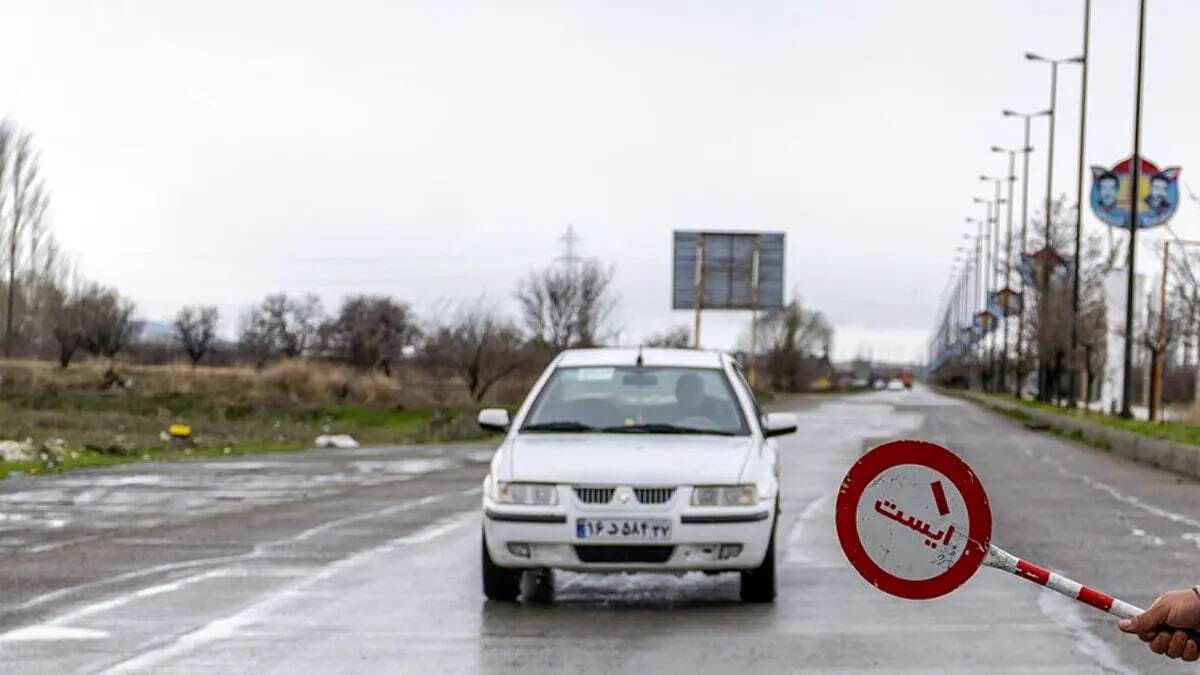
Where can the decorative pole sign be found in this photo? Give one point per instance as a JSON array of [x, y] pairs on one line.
[[1009, 301], [1157, 194], [914, 520]]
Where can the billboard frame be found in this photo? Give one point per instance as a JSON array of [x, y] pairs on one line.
[[698, 279]]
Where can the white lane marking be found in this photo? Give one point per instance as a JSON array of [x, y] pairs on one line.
[[233, 624], [385, 511], [1067, 613], [1135, 502], [794, 552], [59, 622], [259, 551], [45, 632], [42, 548], [1131, 500], [1153, 540]]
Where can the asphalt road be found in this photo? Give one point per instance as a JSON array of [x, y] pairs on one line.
[[368, 561]]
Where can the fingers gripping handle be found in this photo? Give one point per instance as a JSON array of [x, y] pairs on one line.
[[1001, 559]]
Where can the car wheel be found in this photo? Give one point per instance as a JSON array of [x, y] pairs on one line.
[[499, 583], [758, 584]]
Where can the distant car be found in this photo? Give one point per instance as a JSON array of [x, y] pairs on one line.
[[895, 385], [627, 460]]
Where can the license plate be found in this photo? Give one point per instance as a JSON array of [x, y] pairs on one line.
[[623, 528]]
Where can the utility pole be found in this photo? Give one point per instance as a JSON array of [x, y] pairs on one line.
[[1135, 177], [1087, 15]]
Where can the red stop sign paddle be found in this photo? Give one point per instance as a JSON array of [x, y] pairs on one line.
[[914, 520]]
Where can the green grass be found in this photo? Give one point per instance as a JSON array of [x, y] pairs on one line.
[[101, 430], [89, 459], [1167, 430], [373, 417]]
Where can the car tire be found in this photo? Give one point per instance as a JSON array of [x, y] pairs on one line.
[[499, 583], [759, 584]]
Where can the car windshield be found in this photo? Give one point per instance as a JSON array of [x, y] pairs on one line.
[[619, 399]]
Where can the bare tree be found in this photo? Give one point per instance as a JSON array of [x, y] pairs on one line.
[[477, 346], [796, 342], [677, 337], [65, 322], [292, 322], [1048, 304], [255, 341], [197, 326], [280, 326], [106, 320], [7, 139], [370, 332], [568, 305], [28, 206]]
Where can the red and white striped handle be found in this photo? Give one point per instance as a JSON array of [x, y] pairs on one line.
[[1003, 560]]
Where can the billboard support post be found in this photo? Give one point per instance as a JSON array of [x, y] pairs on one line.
[[728, 270], [754, 313]]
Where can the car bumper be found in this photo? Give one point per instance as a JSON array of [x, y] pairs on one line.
[[701, 539]]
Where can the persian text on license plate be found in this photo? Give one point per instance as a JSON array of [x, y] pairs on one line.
[[623, 528]]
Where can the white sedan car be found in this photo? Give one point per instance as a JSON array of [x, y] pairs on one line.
[[628, 460]]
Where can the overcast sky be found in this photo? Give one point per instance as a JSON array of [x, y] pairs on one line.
[[215, 152]]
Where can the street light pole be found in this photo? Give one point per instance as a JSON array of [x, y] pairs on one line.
[[1052, 112], [1087, 16], [1012, 179], [1043, 370], [1135, 177], [993, 268], [978, 279], [1027, 149]]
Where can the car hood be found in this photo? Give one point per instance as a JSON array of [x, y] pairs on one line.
[[629, 459]]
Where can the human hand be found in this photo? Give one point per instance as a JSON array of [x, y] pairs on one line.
[[1176, 609]]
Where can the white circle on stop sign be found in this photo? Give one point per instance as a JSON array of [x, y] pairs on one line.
[[912, 522]]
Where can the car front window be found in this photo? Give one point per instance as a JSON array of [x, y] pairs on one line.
[[637, 399]]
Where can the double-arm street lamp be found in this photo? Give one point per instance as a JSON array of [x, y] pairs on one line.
[[994, 270], [1012, 179], [1054, 64], [1026, 118], [1045, 385]]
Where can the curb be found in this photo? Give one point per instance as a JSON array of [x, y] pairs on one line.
[[1169, 455]]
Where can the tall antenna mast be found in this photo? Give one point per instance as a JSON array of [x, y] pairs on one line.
[[569, 239]]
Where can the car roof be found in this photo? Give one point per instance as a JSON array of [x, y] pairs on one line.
[[619, 356]]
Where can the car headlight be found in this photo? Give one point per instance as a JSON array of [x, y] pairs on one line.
[[724, 495], [529, 494]]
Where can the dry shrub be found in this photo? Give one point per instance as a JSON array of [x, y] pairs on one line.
[[375, 389], [300, 380], [282, 383]]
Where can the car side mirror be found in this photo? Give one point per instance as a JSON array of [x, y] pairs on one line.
[[779, 424], [493, 419]]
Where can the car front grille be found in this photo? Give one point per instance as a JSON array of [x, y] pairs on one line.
[[594, 495], [624, 554], [660, 495]]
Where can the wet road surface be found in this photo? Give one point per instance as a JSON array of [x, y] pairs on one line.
[[368, 561]]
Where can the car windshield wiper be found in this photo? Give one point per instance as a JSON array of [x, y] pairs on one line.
[[660, 428], [565, 426]]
